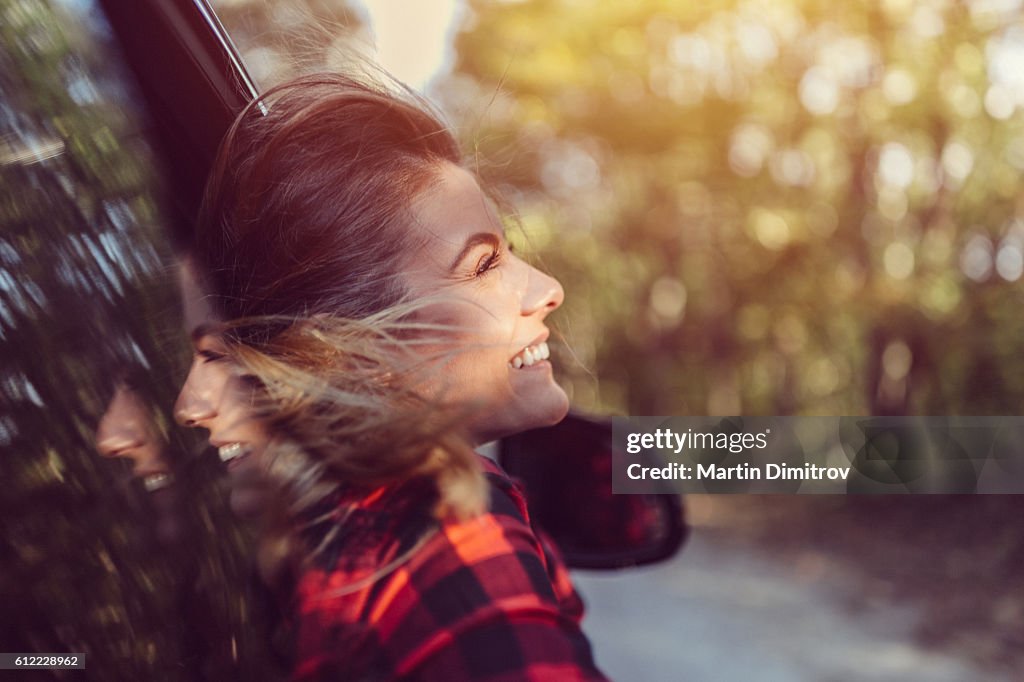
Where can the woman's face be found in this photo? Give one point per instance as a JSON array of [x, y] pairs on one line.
[[497, 302], [127, 430], [216, 398]]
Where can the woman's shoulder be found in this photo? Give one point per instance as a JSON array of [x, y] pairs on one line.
[[470, 585], [496, 554], [390, 534], [481, 593]]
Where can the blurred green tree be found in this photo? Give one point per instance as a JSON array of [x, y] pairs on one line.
[[764, 207]]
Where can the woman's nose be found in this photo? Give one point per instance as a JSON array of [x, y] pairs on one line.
[[192, 408], [544, 293], [113, 443]]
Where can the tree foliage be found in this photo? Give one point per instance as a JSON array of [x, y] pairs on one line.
[[765, 207]]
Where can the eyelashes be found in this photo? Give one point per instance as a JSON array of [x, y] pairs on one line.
[[210, 356], [488, 263]]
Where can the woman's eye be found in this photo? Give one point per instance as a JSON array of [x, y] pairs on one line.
[[209, 355], [488, 262]]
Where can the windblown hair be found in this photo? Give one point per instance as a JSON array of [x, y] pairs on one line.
[[304, 231], [307, 209]]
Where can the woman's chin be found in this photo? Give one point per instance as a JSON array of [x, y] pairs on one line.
[[558, 409], [523, 414], [545, 408]]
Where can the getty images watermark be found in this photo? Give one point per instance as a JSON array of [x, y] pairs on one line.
[[818, 454]]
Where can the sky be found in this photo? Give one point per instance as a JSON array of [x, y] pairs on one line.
[[414, 38]]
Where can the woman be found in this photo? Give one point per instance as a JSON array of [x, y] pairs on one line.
[[128, 429], [378, 329]]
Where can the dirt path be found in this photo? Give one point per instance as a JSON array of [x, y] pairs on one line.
[[726, 608]]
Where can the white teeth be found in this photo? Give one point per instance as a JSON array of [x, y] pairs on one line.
[[231, 451], [531, 355], [154, 482]]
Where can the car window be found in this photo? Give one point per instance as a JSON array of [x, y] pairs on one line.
[[119, 549], [279, 39]]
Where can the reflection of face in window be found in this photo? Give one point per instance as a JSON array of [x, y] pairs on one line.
[[216, 398], [127, 429]]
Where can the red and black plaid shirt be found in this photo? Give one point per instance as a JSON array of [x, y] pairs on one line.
[[394, 594]]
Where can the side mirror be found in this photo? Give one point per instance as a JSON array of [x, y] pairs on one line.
[[567, 472]]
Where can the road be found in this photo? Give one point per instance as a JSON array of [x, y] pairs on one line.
[[722, 613]]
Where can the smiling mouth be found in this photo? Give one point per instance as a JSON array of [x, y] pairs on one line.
[[233, 451], [530, 356], [157, 481]]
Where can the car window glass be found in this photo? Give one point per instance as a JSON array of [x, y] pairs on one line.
[[100, 554]]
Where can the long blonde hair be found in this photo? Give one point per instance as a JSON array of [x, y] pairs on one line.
[[302, 239], [342, 400]]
